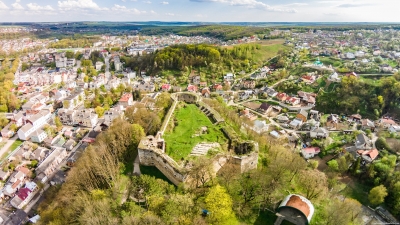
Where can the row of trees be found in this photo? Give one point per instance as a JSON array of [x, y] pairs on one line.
[[8, 100]]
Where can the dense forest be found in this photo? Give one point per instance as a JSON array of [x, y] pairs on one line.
[[100, 188], [354, 95], [213, 61], [8, 100]]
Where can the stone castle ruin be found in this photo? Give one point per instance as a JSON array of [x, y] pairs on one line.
[[242, 155]]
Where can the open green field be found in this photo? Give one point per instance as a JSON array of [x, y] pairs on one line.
[[268, 51], [188, 122]]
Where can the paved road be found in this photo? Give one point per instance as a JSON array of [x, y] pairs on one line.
[[10, 141]]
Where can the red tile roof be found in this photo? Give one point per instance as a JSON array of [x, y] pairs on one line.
[[312, 150], [125, 97]]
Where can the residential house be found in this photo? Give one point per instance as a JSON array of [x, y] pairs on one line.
[[111, 115], [282, 97], [307, 98], [319, 132], [247, 114], [355, 118], [310, 152], [67, 116], [4, 174], [6, 132], [334, 77], [18, 118], [293, 101], [69, 145], [74, 100], [258, 75], [265, 108], [271, 92], [203, 84], [33, 124], [143, 86], [192, 88], [217, 88], [296, 123], [24, 195], [332, 121], [248, 84], [126, 100], [166, 87], [205, 92], [368, 155], [282, 119], [302, 115], [86, 118], [275, 134], [229, 77], [177, 89], [309, 79], [50, 164], [260, 126], [386, 123], [99, 65], [195, 80], [38, 136], [363, 142], [39, 154], [367, 124]]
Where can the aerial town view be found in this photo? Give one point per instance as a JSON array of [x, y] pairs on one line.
[[123, 113]]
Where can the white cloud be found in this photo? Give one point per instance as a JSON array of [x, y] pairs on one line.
[[147, 2], [17, 6], [122, 8], [36, 7], [80, 4], [165, 3], [123, 0], [169, 14], [251, 4], [3, 6]]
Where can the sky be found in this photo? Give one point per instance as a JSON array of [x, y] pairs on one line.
[[200, 10]]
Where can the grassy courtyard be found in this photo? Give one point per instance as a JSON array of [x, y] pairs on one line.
[[186, 133]]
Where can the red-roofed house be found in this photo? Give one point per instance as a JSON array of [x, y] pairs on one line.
[[192, 88], [217, 87], [368, 155], [310, 152], [126, 100], [386, 123], [206, 92], [293, 101], [166, 87], [282, 97], [22, 198], [309, 78]]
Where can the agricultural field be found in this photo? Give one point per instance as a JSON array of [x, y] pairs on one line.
[[186, 131]]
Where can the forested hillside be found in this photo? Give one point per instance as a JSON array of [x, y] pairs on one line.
[[212, 60], [355, 95]]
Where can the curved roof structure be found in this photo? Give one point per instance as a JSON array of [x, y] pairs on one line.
[[299, 203]]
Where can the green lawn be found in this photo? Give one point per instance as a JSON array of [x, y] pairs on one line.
[[15, 144], [188, 122]]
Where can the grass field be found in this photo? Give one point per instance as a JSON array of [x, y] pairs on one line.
[[181, 140], [15, 145], [268, 51]]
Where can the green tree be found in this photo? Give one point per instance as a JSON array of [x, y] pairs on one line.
[[99, 111], [219, 204], [333, 165], [3, 121], [58, 123], [377, 195], [66, 104], [14, 127]]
